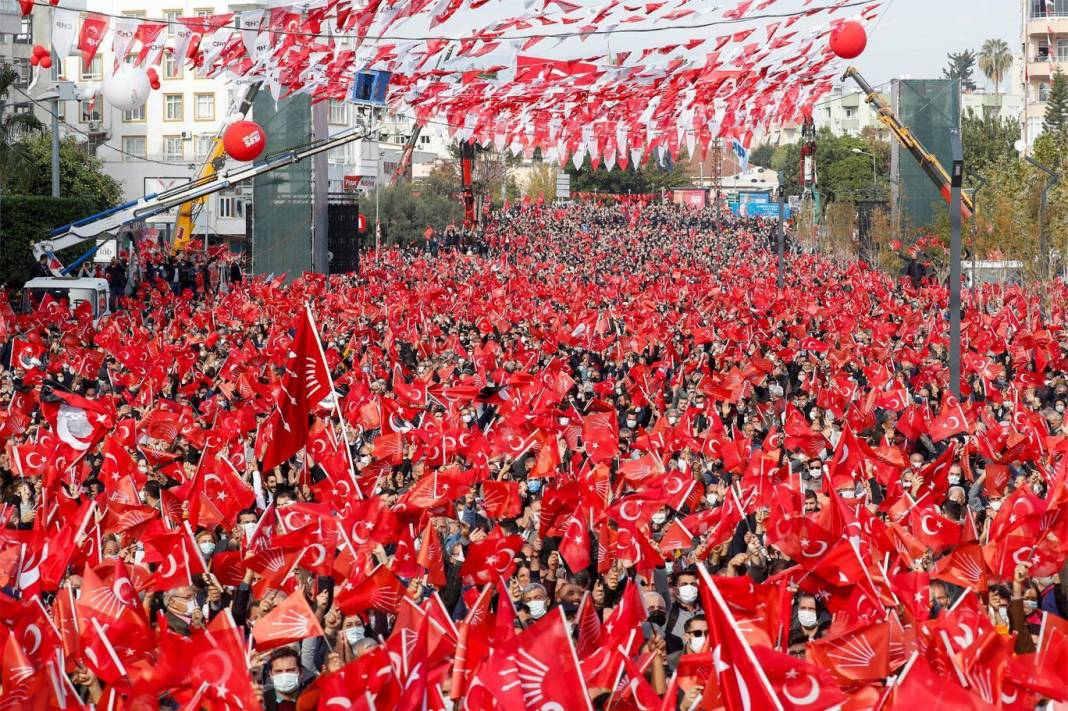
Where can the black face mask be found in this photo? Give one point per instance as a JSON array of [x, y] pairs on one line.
[[658, 618]]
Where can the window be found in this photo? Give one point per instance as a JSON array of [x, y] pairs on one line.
[[25, 71], [205, 107], [133, 147], [25, 35], [230, 206], [173, 148], [338, 112], [173, 107], [134, 116], [850, 113], [202, 144], [88, 111], [1043, 92], [171, 16], [1062, 50], [95, 70], [172, 68]]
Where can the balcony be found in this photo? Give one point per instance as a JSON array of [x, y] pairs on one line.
[[1042, 25]]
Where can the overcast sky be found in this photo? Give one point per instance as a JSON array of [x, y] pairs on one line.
[[913, 36]]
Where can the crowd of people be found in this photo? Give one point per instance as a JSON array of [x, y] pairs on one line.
[[606, 464]]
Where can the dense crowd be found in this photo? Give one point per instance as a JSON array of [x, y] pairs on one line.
[[607, 463]]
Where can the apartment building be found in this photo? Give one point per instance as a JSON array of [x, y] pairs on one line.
[[1044, 38], [16, 46]]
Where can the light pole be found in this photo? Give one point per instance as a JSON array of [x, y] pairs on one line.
[[956, 179], [874, 173]]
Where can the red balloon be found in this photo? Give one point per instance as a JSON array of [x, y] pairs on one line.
[[153, 75], [46, 62], [39, 50], [244, 140], [849, 39]]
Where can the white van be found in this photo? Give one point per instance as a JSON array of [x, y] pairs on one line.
[[73, 290]]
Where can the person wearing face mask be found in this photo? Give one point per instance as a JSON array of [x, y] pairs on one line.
[[694, 640], [656, 615], [181, 609], [536, 599], [206, 544], [808, 622], [684, 606], [286, 680]]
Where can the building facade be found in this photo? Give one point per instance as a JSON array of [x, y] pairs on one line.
[[1044, 38]]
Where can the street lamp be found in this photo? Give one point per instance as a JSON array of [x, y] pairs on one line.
[[874, 180]]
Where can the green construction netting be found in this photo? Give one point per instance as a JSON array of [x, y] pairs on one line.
[[929, 108]]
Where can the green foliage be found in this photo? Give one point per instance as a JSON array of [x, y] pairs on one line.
[[407, 210], [15, 163], [651, 178], [1056, 119], [25, 219], [79, 173], [987, 140], [961, 66], [761, 155], [995, 58], [842, 173]]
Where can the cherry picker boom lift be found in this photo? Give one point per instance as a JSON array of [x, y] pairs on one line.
[[927, 160]]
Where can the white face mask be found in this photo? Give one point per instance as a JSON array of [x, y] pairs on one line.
[[807, 618], [537, 608], [1030, 606], [995, 505], [1003, 613], [696, 644], [354, 634], [364, 460], [564, 420], [286, 682], [207, 548], [688, 593], [712, 499], [847, 494], [467, 419], [249, 529], [954, 479], [659, 517], [631, 424]]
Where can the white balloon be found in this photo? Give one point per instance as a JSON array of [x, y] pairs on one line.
[[128, 88]]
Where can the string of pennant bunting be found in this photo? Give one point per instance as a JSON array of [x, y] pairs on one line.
[[614, 80]]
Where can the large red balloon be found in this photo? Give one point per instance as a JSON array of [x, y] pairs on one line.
[[244, 140], [849, 39]]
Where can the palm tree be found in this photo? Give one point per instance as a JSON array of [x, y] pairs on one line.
[[994, 60], [15, 161]]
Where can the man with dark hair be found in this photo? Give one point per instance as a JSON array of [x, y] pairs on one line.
[[286, 680]]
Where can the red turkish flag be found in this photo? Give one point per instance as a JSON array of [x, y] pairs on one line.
[[921, 687], [950, 421], [741, 680], [291, 621], [934, 530], [491, 558], [600, 436], [575, 543], [305, 385], [217, 658], [801, 685]]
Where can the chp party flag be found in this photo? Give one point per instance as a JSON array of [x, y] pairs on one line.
[[306, 384], [291, 621]]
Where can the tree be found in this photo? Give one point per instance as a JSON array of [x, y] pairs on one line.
[[987, 140], [961, 66], [842, 173], [79, 173], [1056, 120], [650, 178], [407, 210], [16, 166], [995, 59], [761, 155], [542, 183]]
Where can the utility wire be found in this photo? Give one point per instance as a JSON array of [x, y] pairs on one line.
[[490, 36]]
